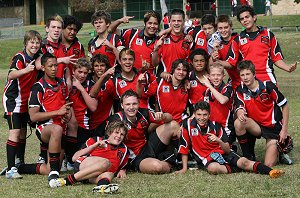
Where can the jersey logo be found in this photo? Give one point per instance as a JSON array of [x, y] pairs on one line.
[[264, 39], [194, 83], [92, 49], [264, 97], [120, 155], [167, 41], [166, 89], [108, 49], [144, 123], [247, 96], [243, 41], [206, 99], [76, 52], [200, 41], [64, 91], [139, 41], [50, 50], [122, 84], [195, 132], [50, 92]]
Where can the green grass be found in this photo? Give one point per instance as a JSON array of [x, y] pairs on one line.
[[197, 183]]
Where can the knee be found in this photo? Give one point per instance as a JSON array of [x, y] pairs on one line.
[[213, 168], [243, 163], [56, 131], [271, 164], [175, 128], [104, 165]]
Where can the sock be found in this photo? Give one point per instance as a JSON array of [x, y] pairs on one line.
[[70, 180], [103, 181], [44, 149], [244, 143], [71, 147], [29, 168], [21, 150], [54, 161], [11, 151], [252, 141], [261, 168]]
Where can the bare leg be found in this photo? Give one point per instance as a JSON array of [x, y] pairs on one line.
[[154, 166]]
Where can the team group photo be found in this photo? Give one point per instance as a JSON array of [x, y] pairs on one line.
[[180, 100]]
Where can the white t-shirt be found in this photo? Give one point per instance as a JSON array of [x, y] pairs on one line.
[[268, 3]]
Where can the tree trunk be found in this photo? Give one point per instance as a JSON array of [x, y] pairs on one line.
[[164, 8]]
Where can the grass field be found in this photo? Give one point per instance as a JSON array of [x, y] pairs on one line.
[[196, 183]]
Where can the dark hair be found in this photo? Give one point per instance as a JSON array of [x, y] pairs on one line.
[[224, 19], [208, 19], [100, 58], [246, 64], [101, 15], [45, 58], [70, 20], [54, 18], [127, 51], [31, 34], [199, 51], [184, 63], [116, 125], [127, 94], [245, 8], [166, 14], [177, 11], [150, 14], [202, 105]]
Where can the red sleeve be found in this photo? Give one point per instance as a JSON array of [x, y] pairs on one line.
[[276, 53], [184, 142], [233, 52], [152, 88]]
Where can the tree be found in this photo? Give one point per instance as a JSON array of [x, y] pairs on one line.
[[94, 5]]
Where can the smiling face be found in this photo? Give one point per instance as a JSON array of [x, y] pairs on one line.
[[177, 24], [101, 26], [130, 106], [202, 117], [126, 62], [216, 76], [180, 73], [225, 30], [54, 31], [247, 21], [199, 63], [99, 68], [70, 32], [32, 46], [151, 27], [117, 136]]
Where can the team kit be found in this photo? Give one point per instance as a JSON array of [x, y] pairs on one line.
[[147, 100]]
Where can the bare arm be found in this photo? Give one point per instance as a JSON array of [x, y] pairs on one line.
[[114, 25], [224, 146], [14, 74], [285, 120], [220, 97], [288, 68], [155, 57], [87, 150], [184, 159]]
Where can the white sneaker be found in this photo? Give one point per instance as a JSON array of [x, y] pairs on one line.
[[70, 166], [13, 174], [55, 183], [106, 189], [64, 167], [41, 160]]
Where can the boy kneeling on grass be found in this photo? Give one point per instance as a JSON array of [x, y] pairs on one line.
[[208, 143], [100, 159]]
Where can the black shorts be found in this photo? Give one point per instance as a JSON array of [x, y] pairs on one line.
[[271, 132], [82, 136], [99, 130], [152, 149], [17, 120]]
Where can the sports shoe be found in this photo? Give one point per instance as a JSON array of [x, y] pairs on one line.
[[63, 167], [58, 182], [106, 189], [276, 173], [285, 159], [13, 174], [53, 175], [70, 166], [41, 160]]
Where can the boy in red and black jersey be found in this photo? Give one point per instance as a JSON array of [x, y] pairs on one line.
[[171, 95], [49, 108], [72, 46], [140, 41], [261, 110], [100, 159], [224, 28], [105, 43], [172, 46], [199, 60], [21, 76], [208, 142], [220, 98], [144, 152], [258, 45]]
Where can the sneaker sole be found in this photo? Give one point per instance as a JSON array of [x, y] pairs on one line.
[[111, 188]]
